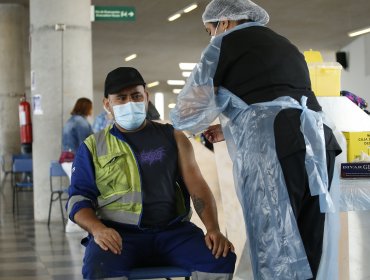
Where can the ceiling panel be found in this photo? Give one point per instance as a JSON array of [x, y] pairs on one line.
[[161, 45]]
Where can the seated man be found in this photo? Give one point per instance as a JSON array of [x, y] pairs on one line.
[[130, 190]]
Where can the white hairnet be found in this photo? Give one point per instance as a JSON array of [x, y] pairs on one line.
[[218, 10]]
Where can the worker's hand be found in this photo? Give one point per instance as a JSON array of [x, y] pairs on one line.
[[214, 133], [218, 243], [108, 239]]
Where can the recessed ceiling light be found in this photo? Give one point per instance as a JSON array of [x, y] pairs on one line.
[[176, 90], [176, 82], [171, 105], [186, 65], [190, 8], [185, 10], [174, 17], [153, 84], [359, 32], [186, 74], [130, 57]]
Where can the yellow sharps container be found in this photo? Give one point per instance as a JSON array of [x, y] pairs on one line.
[[325, 76]]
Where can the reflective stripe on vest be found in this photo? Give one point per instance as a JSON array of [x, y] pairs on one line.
[[117, 178]]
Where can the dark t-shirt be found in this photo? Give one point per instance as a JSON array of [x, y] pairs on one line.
[[156, 151], [259, 65]]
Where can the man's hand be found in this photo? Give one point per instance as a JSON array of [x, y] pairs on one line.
[[218, 243], [214, 133], [108, 239]]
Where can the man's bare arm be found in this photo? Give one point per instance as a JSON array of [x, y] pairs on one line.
[[201, 195]]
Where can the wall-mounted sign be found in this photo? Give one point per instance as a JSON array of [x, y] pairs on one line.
[[37, 108], [113, 13]]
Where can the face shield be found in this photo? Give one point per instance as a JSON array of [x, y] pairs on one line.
[[214, 34]]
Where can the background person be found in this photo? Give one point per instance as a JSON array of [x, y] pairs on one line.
[[259, 79], [102, 120], [75, 131], [130, 190]]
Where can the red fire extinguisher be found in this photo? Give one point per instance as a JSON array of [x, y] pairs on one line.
[[25, 121]]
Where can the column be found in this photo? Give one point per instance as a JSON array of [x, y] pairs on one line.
[[12, 82], [61, 67]]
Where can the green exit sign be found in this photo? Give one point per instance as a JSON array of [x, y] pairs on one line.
[[113, 13]]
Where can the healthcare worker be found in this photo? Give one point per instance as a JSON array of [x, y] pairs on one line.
[[283, 154]]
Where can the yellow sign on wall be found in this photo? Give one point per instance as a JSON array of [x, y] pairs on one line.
[[357, 143]]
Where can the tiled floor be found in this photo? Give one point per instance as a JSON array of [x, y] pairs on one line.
[[31, 251]]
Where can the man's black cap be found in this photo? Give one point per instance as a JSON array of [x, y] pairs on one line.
[[120, 78]]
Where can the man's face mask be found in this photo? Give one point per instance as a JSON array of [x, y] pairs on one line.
[[130, 115]]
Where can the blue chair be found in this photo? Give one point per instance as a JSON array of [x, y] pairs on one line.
[[21, 178], [18, 156], [166, 272], [6, 162], [58, 187]]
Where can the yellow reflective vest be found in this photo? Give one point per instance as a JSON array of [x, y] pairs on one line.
[[118, 180]]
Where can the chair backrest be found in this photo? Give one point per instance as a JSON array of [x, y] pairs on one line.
[[6, 161], [22, 165], [57, 172], [56, 169], [21, 156]]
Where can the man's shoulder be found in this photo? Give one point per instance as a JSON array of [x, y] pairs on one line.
[[98, 140], [99, 135], [161, 125], [161, 130]]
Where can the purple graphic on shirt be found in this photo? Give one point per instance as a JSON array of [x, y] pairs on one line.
[[152, 156]]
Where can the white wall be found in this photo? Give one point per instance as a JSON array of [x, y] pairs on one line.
[[356, 78]]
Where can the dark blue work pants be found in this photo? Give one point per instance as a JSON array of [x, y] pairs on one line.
[[181, 245]]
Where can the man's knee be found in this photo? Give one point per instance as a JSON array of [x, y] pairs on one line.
[[100, 264], [222, 266]]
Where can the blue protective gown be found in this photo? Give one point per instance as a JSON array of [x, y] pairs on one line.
[[276, 249]]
